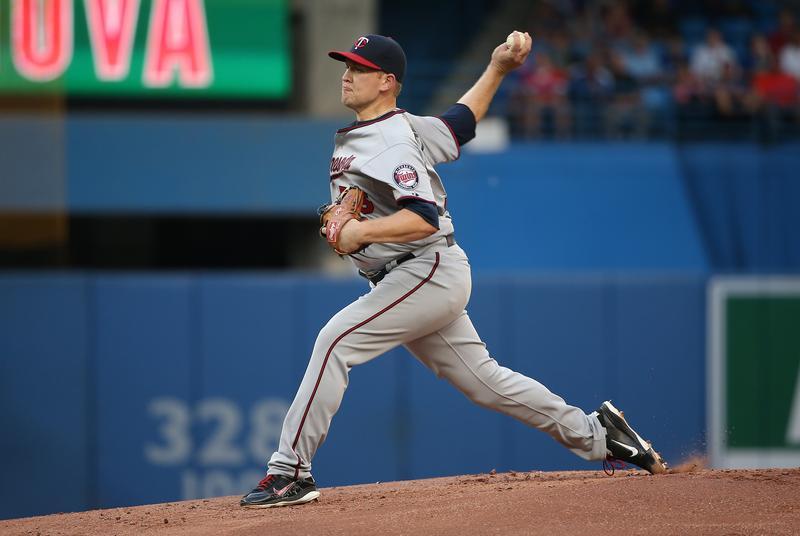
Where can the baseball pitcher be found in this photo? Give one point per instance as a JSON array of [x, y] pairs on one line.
[[388, 213]]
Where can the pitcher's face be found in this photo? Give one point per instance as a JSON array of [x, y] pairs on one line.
[[361, 86]]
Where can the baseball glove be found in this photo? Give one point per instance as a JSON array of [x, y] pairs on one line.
[[333, 217]]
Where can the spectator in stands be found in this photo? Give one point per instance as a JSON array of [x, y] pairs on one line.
[[542, 96], [787, 26], [641, 60], [591, 87], [626, 116], [776, 92], [626, 65], [709, 60], [715, 66], [687, 90], [674, 53], [790, 56], [730, 93], [591, 81], [643, 63], [582, 32], [560, 47], [761, 57]]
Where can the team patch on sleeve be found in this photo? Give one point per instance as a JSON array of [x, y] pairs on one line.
[[406, 176]]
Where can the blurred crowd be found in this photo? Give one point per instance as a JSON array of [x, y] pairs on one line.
[[634, 68]]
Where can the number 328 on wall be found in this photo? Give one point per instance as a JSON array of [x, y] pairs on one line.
[[211, 431]]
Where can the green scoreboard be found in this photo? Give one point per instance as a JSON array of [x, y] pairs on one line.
[[754, 372], [211, 49]]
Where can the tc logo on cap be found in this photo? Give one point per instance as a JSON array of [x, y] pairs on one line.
[[361, 42]]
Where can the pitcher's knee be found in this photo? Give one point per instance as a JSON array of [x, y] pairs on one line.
[[335, 344], [325, 337]]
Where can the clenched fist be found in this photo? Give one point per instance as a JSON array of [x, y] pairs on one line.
[[505, 59]]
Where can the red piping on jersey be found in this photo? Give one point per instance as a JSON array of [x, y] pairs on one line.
[[366, 123], [458, 145], [335, 342]]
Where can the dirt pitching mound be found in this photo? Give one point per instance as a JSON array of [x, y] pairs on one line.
[[695, 501]]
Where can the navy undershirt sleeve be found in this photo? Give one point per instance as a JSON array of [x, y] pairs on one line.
[[426, 211], [461, 121]]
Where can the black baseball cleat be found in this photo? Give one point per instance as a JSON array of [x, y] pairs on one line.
[[625, 445], [279, 490]]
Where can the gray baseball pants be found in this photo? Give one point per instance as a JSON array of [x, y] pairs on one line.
[[420, 304]]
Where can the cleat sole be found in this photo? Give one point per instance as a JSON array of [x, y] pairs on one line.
[[308, 497]]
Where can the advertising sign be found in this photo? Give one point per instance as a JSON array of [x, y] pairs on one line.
[[754, 372], [218, 49]]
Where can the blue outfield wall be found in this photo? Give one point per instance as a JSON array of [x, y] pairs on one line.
[[138, 388]]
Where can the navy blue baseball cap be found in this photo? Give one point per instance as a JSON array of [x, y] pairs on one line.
[[376, 52]]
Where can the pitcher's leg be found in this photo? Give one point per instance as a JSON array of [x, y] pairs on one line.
[[391, 314], [323, 385], [457, 354]]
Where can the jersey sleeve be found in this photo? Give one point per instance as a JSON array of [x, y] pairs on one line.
[[461, 121], [401, 167], [438, 138], [424, 210]]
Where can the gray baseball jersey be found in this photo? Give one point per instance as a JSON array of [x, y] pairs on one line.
[[392, 159], [419, 304]]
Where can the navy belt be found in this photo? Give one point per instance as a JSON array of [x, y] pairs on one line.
[[376, 277]]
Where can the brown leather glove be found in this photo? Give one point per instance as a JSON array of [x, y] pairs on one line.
[[333, 217]]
